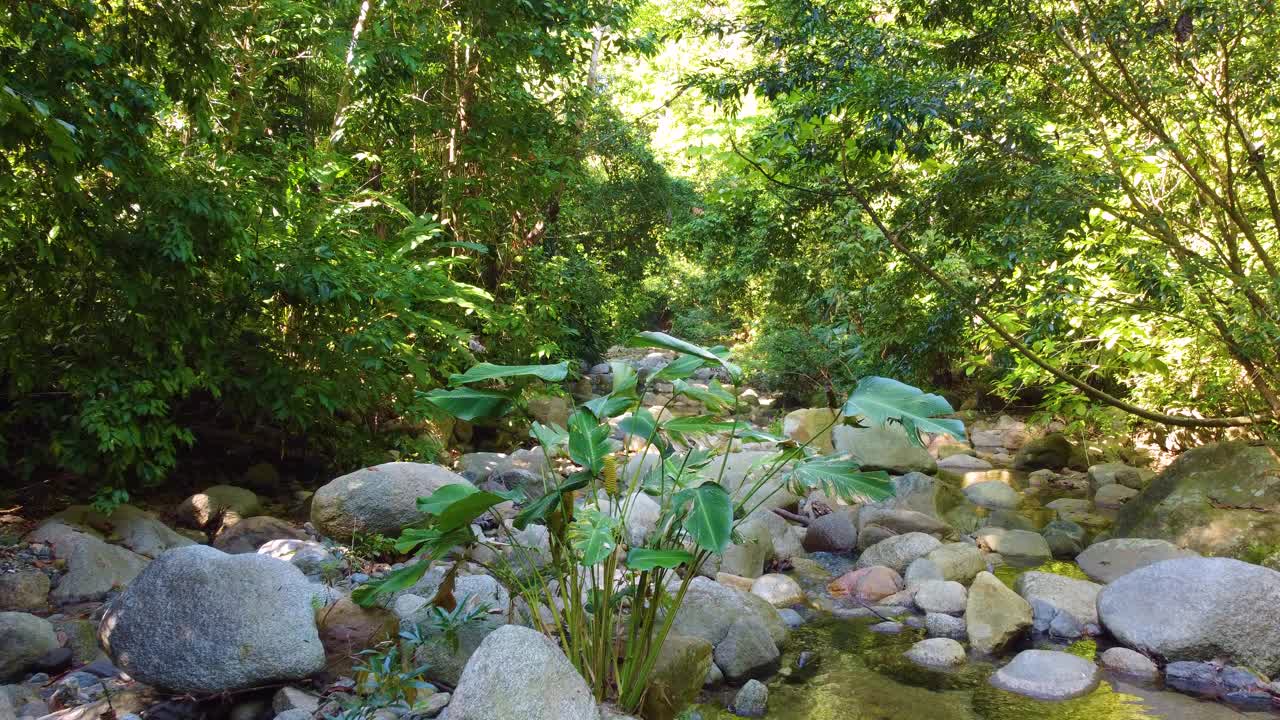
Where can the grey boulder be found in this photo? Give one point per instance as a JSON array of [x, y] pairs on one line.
[[898, 551], [517, 674], [1110, 559], [379, 499], [1061, 606], [23, 639], [198, 620], [1198, 609]]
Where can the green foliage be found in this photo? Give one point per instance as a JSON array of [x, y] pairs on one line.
[[885, 401], [590, 580]]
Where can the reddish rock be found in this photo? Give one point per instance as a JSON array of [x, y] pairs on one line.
[[871, 584]]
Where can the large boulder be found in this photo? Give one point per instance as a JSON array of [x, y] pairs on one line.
[[1061, 606], [1047, 675], [833, 532], [898, 551], [1217, 500], [995, 615], [709, 609], [682, 664], [1050, 452], [1197, 609], [517, 674], [379, 499], [24, 638], [1107, 560], [883, 447], [200, 621], [993, 494]]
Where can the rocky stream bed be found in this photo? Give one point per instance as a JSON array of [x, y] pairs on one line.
[[1008, 577]]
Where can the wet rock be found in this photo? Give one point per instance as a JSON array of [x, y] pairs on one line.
[[1127, 662], [752, 700], [518, 674], [1054, 596], [199, 620], [346, 629], [1008, 520], [993, 494], [1047, 675], [379, 499], [897, 552], [870, 584], [945, 626], [941, 596], [1197, 609], [1110, 559], [24, 639], [958, 561], [747, 651], [936, 652], [1064, 538], [1050, 452], [833, 532], [995, 616], [1021, 547], [678, 674], [226, 503], [1113, 496]]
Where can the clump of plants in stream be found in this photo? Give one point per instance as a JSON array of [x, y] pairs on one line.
[[610, 602]]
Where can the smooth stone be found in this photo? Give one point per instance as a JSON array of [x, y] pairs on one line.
[[379, 499], [1047, 675], [1111, 559], [778, 590], [936, 652], [24, 640], [747, 651], [518, 674], [1129, 662], [941, 596], [751, 700], [1062, 606], [1022, 547], [945, 626], [899, 551], [993, 494], [995, 616], [1113, 496], [958, 561]]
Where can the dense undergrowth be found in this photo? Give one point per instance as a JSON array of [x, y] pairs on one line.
[[264, 230]]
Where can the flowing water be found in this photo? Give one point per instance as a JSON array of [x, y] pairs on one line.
[[858, 674]]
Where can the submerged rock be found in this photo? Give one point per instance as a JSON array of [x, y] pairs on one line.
[[936, 652], [1047, 675], [751, 700], [1127, 662], [995, 615]]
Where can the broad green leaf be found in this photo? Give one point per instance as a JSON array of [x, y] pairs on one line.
[[884, 401], [624, 379], [680, 368], [699, 425], [588, 441], [549, 436], [489, 371], [642, 559], [746, 432], [662, 340], [839, 477], [640, 423], [412, 538], [594, 535], [458, 505], [468, 403], [715, 397], [539, 509], [710, 515], [608, 406], [406, 577]]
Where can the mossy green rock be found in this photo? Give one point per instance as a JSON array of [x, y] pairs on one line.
[[677, 676], [1217, 500]]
